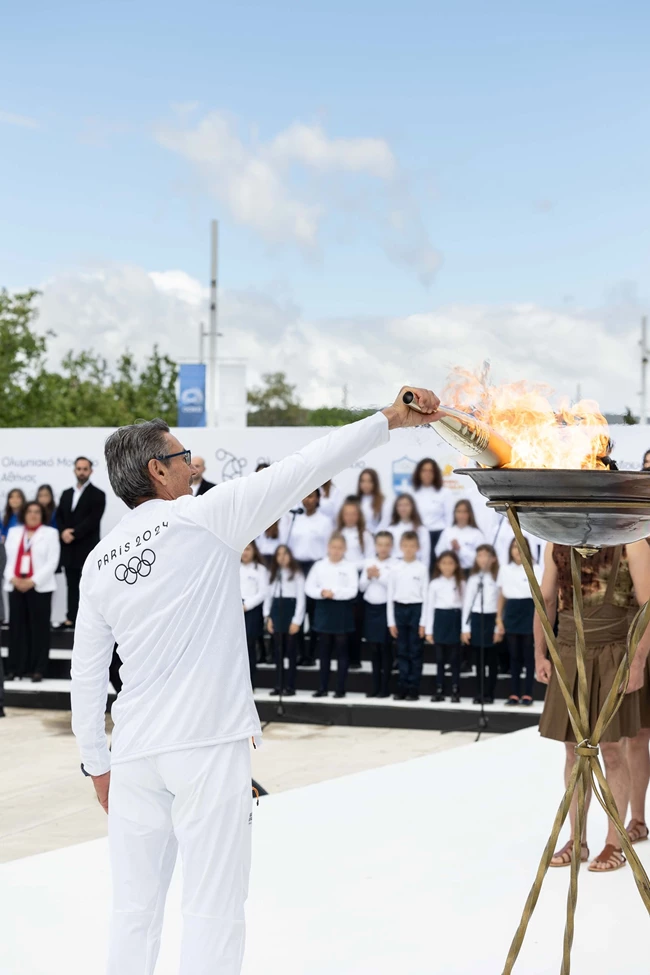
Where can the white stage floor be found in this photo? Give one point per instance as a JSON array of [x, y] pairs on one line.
[[416, 868]]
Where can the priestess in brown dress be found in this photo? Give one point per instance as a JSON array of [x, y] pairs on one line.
[[608, 596]]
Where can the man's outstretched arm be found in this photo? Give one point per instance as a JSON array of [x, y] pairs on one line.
[[241, 509]]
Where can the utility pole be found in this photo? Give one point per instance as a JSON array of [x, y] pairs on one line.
[[212, 332], [644, 368]]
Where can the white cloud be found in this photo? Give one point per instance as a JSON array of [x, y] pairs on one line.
[[285, 188], [22, 121], [112, 308]]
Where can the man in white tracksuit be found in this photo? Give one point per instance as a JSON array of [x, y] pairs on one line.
[[164, 586]]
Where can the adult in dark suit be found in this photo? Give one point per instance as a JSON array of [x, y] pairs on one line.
[[78, 518], [199, 484]]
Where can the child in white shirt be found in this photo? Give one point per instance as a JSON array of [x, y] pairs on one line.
[[373, 583], [444, 621], [253, 580], [407, 591]]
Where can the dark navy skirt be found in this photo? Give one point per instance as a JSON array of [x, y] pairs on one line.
[[254, 620], [375, 624], [518, 616], [282, 613], [334, 616], [484, 623], [446, 626]]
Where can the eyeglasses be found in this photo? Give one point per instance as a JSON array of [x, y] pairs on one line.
[[185, 454]]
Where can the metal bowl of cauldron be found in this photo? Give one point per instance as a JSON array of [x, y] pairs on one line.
[[584, 508]]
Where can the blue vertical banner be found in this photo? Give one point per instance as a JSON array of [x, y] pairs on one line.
[[191, 397]]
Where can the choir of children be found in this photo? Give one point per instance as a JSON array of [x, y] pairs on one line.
[[369, 579]]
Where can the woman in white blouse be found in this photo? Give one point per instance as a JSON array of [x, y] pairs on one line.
[[463, 538], [33, 550], [406, 518], [284, 611], [435, 502], [375, 506]]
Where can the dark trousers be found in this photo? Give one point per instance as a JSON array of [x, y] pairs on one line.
[[308, 648], [73, 578], [29, 632], [434, 538], [381, 655], [409, 645], [114, 671], [447, 653], [2, 683], [491, 664], [333, 645], [355, 638], [285, 645], [522, 653]]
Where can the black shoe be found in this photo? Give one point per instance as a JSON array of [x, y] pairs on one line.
[[372, 694], [412, 697], [309, 663], [10, 677], [384, 696], [512, 702], [320, 694], [477, 700], [275, 692], [489, 700], [289, 693], [438, 696], [455, 696], [339, 694], [400, 696], [526, 701], [2, 712], [37, 678], [357, 665]]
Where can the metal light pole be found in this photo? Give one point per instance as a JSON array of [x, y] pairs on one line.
[[212, 331], [644, 368]]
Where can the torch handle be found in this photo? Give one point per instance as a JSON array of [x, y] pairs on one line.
[[408, 399]]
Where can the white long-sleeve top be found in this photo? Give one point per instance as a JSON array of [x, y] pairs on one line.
[[472, 601], [442, 594], [253, 581], [354, 551], [469, 540], [407, 583], [512, 580], [286, 586], [398, 530], [164, 585], [436, 508], [375, 523], [307, 536], [45, 552], [341, 577], [331, 506], [375, 590], [266, 545]]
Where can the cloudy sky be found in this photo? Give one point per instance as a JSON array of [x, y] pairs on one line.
[[400, 188]]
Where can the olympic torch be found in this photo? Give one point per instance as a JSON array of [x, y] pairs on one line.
[[468, 435]]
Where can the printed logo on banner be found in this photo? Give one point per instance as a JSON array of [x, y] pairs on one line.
[[402, 473], [193, 399], [232, 466]]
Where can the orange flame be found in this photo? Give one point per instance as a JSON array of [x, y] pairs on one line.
[[563, 438]]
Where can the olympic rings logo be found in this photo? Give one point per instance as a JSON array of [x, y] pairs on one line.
[[136, 566]]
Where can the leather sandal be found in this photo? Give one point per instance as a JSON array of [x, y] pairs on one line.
[[611, 858], [637, 831], [565, 855]]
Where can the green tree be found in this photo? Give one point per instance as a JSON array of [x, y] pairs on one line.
[[275, 404], [335, 416], [629, 417], [85, 391]]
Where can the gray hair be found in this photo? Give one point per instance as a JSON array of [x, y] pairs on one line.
[[128, 452]]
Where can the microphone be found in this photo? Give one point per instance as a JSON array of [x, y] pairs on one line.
[[297, 511]]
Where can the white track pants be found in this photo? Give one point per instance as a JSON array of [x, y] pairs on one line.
[[197, 801]]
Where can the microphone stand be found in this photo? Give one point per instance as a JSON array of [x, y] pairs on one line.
[[483, 718]]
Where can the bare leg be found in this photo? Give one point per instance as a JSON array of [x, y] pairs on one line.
[[618, 779], [564, 858], [638, 760]]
